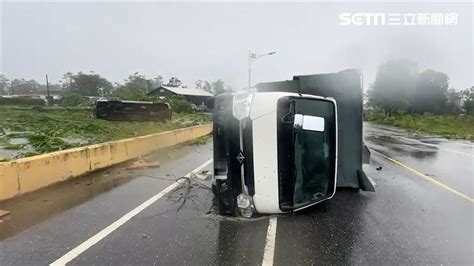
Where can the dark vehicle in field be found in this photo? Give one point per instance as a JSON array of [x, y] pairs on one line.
[[131, 110]]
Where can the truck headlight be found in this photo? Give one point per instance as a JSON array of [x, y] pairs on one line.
[[241, 105], [245, 205]]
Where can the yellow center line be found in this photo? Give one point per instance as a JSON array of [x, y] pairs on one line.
[[429, 178]]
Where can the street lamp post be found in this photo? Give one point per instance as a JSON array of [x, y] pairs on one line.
[[252, 58], [250, 69]]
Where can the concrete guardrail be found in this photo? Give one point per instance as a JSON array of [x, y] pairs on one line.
[[32, 173]]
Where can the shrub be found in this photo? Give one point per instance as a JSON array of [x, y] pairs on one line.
[[180, 105], [21, 101], [72, 100], [132, 95], [449, 126]]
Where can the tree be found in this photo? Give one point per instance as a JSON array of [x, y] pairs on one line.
[[468, 100], [90, 85], [207, 87], [139, 82], [22, 86], [198, 84], [430, 93], [174, 82], [453, 101], [136, 87], [53, 89], [229, 89], [4, 85], [157, 81], [218, 87], [394, 86], [66, 82]]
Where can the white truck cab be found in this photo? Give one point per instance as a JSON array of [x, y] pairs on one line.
[[285, 154]]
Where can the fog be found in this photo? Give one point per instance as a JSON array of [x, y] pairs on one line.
[[208, 41]]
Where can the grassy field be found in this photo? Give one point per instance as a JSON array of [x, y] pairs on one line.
[[26, 131], [448, 126]]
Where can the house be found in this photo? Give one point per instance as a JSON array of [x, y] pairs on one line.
[[196, 96]]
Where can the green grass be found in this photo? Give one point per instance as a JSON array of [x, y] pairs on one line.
[[448, 126], [48, 129]]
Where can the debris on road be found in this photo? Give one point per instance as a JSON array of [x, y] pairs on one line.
[[203, 175], [143, 164], [4, 213], [144, 236]]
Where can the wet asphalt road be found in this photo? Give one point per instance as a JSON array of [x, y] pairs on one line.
[[408, 220]]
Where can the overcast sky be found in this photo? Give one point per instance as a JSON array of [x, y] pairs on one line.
[[208, 41]]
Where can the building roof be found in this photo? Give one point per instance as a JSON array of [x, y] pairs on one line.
[[184, 90]]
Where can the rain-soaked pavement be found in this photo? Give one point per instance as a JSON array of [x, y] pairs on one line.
[[421, 213]]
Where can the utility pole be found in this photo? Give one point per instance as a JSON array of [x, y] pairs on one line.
[[47, 85], [49, 98], [250, 69]]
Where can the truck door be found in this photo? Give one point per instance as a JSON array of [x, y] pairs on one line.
[[307, 152]]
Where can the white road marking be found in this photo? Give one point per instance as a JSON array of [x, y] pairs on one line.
[[114, 226], [269, 251], [436, 146]]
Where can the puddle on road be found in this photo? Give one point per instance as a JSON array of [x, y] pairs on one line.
[[386, 143], [35, 207], [18, 141], [418, 146], [428, 154], [13, 144]]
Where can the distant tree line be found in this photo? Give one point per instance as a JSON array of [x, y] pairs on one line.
[[23, 86], [93, 84], [399, 86]]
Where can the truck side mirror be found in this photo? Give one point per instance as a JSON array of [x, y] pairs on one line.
[[308, 122]]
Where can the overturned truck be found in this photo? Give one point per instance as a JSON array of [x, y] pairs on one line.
[[118, 110], [287, 145]]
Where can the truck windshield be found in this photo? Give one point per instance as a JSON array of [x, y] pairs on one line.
[[311, 162], [309, 166]]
